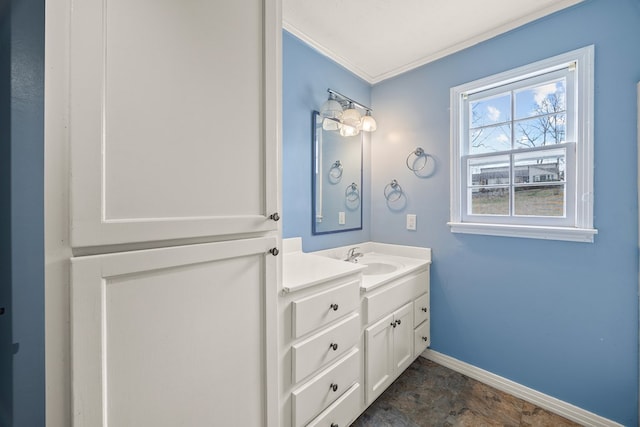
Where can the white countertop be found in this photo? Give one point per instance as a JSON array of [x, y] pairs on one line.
[[408, 265], [302, 270]]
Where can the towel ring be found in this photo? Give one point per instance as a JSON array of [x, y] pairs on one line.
[[352, 193], [418, 152], [393, 188], [335, 171]]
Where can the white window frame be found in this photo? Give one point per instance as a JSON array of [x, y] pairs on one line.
[[577, 225]]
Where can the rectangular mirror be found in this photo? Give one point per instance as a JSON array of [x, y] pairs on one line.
[[337, 180]]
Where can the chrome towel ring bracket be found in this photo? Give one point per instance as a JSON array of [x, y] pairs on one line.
[[417, 160], [352, 192], [393, 191], [335, 172]]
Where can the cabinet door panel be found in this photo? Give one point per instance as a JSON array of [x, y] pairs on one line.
[[379, 360], [173, 119], [175, 336], [403, 338]]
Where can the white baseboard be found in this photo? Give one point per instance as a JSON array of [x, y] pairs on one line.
[[537, 398]]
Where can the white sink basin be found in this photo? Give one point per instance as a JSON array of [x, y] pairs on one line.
[[378, 267]]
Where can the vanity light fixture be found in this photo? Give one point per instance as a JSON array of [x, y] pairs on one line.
[[341, 113]]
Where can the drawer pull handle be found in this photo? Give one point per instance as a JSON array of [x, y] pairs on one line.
[[334, 425], [334, 387], [334, 307], [425, 339], [333, 346], [424, 309]]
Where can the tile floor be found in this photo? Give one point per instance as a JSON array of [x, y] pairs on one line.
[[428, 394]]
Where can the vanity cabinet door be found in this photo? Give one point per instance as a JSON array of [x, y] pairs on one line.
[[379, 357], [389, 350], [180, 336], [173, 119], [403, 338]]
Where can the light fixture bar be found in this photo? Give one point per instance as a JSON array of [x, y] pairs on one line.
[[346, 98]]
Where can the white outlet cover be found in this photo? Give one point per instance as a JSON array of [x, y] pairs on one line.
[[411, 222]]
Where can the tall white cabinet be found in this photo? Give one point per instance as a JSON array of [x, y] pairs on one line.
[[173, 140]]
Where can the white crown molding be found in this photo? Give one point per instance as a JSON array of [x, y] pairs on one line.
[[557, 406], [373, 79], [327, 52]]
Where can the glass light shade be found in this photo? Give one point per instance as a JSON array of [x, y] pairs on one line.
[[369, 123], [331, 109], [351, 117], [348, 130], [330, 124]]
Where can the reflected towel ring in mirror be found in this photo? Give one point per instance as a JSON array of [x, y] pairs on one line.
[[335, 171], [393, 188], [352, 193], [416, 155]]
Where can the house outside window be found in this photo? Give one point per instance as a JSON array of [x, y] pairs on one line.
[[522, 151]]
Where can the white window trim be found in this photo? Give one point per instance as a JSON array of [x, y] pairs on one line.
[[583, 230]]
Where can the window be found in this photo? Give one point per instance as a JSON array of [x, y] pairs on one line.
[[522, 151]]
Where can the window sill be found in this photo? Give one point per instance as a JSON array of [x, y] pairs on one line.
[[570, 234]]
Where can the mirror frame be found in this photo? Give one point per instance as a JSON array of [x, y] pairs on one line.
[[315, 127]]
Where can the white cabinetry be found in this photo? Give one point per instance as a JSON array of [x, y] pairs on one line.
[[173, 138], [421, 313], [175, 336], [391, 342], [174, 118], [320, 351]]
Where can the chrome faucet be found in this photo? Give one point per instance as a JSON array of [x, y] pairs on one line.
[[352, 255]]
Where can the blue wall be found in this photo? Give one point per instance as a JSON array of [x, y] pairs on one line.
[[559, 317], [306, 76], [22, 194]]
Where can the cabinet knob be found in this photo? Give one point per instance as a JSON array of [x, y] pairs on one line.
[[334, 387], [333, 346], [424, 309], [393, 324], [398, 321], [275, 216], [274, 251], [334, 425], [425, 339], [334, 307], [1, 311]]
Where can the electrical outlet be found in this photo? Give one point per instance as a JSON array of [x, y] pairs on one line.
[[341, 218], [411, 222]]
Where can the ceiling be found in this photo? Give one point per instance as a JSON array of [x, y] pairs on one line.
[[378, 39]]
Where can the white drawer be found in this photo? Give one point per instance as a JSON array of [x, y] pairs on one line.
[[316, 351], [317, 310], [421, 309], [383, 302], [421, 338], [313, 397], [342, 412]]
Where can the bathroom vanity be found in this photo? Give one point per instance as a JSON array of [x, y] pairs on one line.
[[347, 330]]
